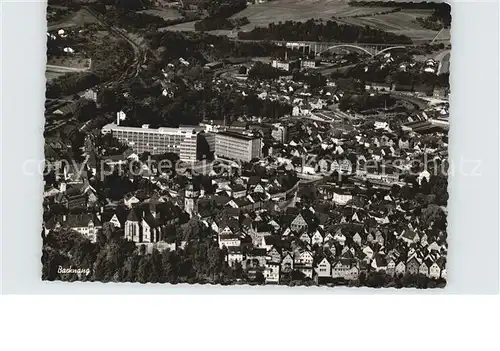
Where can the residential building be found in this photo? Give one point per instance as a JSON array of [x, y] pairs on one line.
[[341, 197], [310, 63], [435, 271], [238, 191], [87, 224], [413, 266], [190, 200], [286, 65], [423, 269], [400, 269], [317, 238], [234, 255], [229, 240], [345, 269], [298, 224], [278, 133], [287, 263], [304, 258], [272, 273], [323, 268], [306, 270]]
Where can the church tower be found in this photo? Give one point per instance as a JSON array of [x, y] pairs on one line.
[[190, 200]]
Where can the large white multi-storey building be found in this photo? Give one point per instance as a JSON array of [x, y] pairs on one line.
[[238, 146], [181, 141]]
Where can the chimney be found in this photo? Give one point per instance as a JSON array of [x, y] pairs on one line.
[[118, 118], [102, 209], [64, 217]]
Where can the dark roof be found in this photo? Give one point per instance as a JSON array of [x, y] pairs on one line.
[[238, 135], [273, 240], [50, 153], [221, 200], [229, 222], [78, 220], [134, 215], [409, 234], [262, 227], [238, 187], [74, 190], [151, 221], [242, 201], [168, 211], [247, 222], [233, 211], [441, 261], [254, 180], [318, 259], [380, 260]]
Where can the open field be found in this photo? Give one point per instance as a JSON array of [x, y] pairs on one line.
[[52, 75], [181, 27], [294, 10], [403, 20], [261, 15], [75, 19], [403, 23], [69, 61], [165, 13], [347, 11]]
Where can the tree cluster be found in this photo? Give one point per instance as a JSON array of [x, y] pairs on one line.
[[224, 8], [359, 103], [313, 30], [137, 21], [85, 110], [189, 107], [71, 83], [55, 14], [440, 18], [196, 46], [350, 85], [126, 5], [112, 258], [265, 71], [109, 59], [381, 279], [214, 23], [392, 75], [442, 10], [314, 80]]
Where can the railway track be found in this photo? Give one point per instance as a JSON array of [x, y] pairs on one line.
[[139, 55], [131, 72]]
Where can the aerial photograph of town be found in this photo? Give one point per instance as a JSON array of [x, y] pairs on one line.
[[247, 142]]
